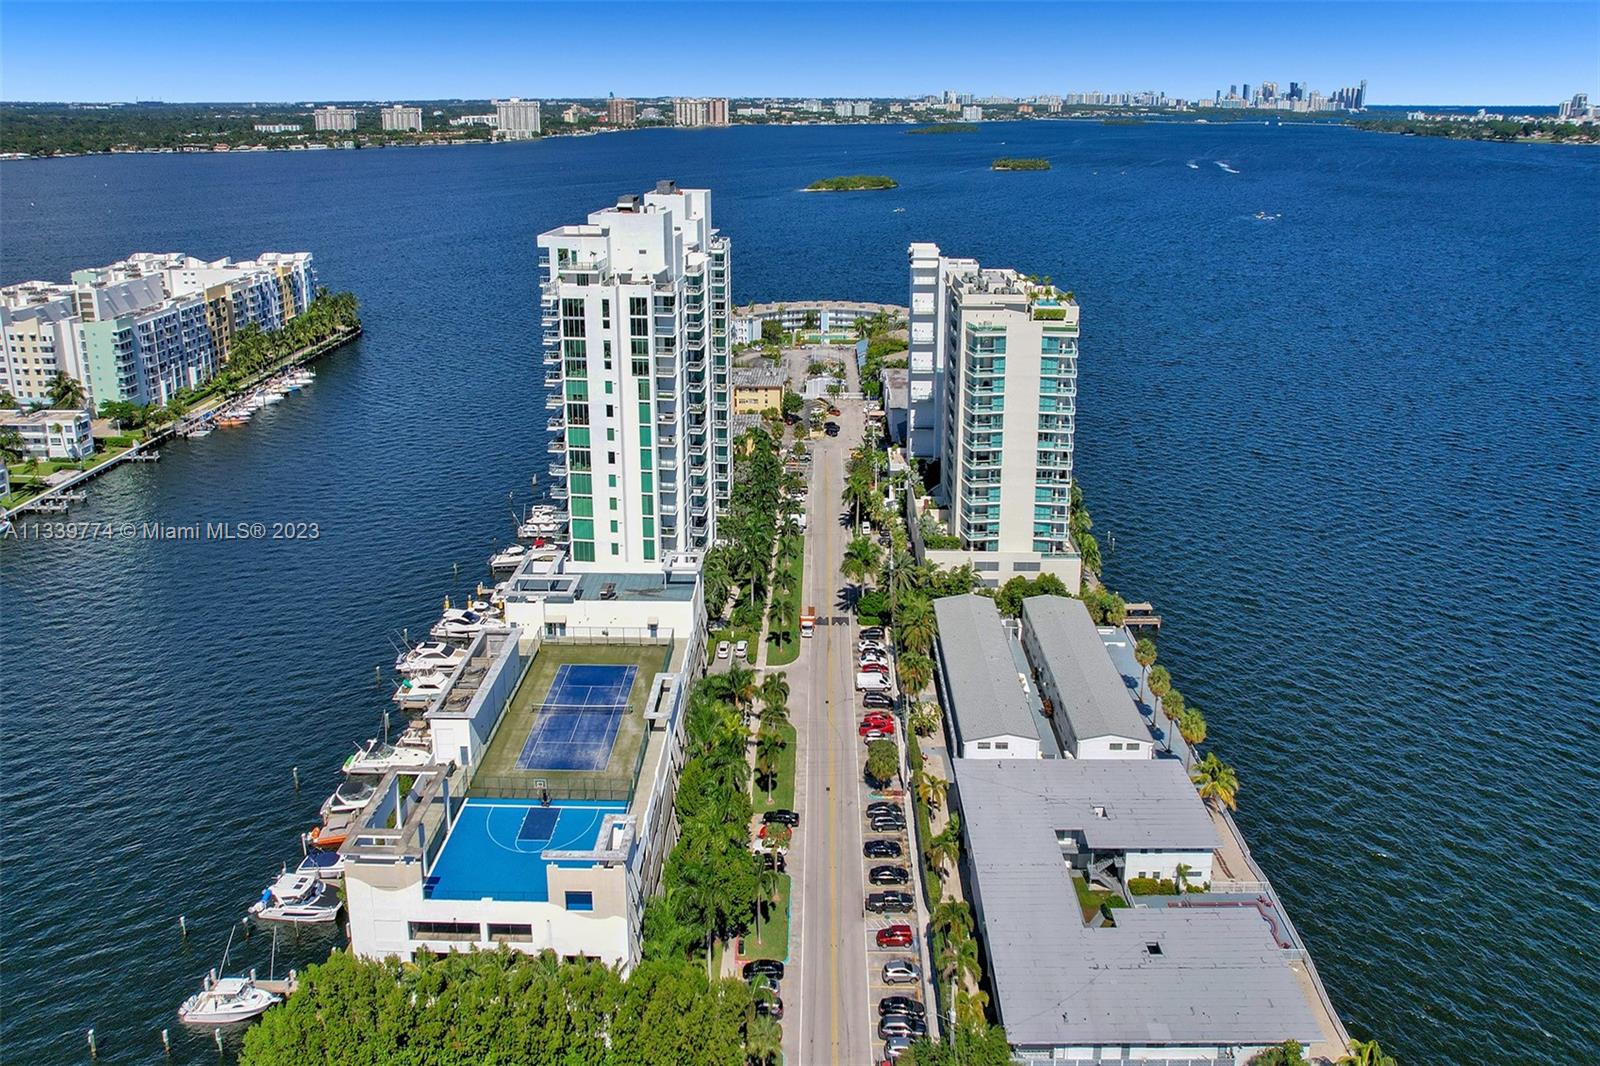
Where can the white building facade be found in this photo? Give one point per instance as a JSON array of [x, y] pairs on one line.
[[334, 118], [51, 434], [516, 119], [401, 118], [635, 307]]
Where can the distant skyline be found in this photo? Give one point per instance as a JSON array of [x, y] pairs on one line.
[[1494, 53]]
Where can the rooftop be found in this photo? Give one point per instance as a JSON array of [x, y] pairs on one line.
[[502, 849], [986, 697], [1093, 697], [1161, 976]]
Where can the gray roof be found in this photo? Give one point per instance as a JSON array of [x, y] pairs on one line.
[[1220, 977], [1090, 691], [986, 698]]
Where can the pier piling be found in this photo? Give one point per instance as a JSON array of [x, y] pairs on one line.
[[166, 1043], [183, 927], [94, 1052], [295, 770], [216, 1034]]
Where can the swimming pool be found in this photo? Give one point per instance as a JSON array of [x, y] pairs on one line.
[[496, 849]]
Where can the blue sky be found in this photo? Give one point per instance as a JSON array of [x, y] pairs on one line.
[[1445, 52]]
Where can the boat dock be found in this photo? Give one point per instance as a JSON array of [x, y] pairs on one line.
[[1142, 614]]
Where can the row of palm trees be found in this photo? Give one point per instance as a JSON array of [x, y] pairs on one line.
[[1217, 781]]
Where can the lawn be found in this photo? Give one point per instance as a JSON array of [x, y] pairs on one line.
[[783, 790], [782, 654], [770, 940], [1091, 899]]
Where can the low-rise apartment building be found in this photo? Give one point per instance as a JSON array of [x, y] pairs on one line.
[[757, 389], [1091, 708], [52, 433], [986, 691]]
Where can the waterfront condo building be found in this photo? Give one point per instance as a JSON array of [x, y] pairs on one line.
[[993, 401], [145, 327], [621, 113], [334, 118], [400, 117], [690, 111], [517, 119], [635, 310]]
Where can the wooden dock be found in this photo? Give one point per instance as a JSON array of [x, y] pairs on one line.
[[1142, 614]]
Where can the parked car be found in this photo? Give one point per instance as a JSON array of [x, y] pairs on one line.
[[870, 645], [890, 902], [888, 875], [881, 849], [870, 733], [877, 699], [723, 647], [901, 1025], [901, 1005], [883, 807], [782, 816], [773, 1008], [871, 633], [763, 968], [901, 972], [872, 666], [761, 981], [895, 1048], [774, 860], [887, 823], [831, 428], [880, 725], [742, 649], [872, 680], [895, 936]]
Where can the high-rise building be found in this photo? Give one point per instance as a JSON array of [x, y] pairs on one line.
[[994, 368], [518, 119], [621, 113], [635, 308], [145, 327], [698, 111], [971, 113], [1577, 107], [400, 117], [334, 118]]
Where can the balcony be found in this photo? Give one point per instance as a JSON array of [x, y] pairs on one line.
[[558, 491], [558, 469], [556, 447], [554, 402], [552, 357], [556, 425], [552, 379]]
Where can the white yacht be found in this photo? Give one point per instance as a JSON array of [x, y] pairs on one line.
[[300, 898], [350, 796], [504, 562], [427, 657], [225, 1000], [422, 688], [543, 522], [377, 759], [458, 624], [328, 865], [271, 395]]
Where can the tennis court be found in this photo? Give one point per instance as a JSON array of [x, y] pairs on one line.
[[577, 723], [497, 849]]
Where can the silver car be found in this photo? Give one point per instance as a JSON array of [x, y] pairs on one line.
[[901, 972]]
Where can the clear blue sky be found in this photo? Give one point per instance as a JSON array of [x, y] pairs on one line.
[[1446, 52]]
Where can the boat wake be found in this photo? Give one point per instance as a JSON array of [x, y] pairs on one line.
[[1192, 165], [1226, 167]]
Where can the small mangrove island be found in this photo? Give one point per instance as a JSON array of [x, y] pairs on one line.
[[853, 183], [945, 127], [1010, 163]]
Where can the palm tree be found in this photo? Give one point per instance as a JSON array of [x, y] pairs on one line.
[[970, 1007], [1366, 1053], [741, 684], [860, 560], [930, 788], [1159, 682], [766, 892], [914, 624], [1218, 783], [1181, 875], [1192, 728], [12, 446], [1172, 710], [66, 392], [1144, 653], [769, 746], [944, 850], [775, 690], [763, 1040], [960, 958], [953, 916], [916, 672]]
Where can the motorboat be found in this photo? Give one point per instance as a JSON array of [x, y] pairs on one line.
[[543, 522], [328, 865], [333, 831], [429, 656], [456, 624], [348, 797], [299, 898], [271, 395], [226, 1000], [422, 688], [377, 759], [503, 562]]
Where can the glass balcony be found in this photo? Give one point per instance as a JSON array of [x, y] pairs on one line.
[[552, 379], [553, 402], [556, 447], [556, 425]]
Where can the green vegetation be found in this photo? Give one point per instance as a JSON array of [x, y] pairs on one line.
[[1096, 900], [883, 761], [1288, 1053], [1217, 781], [853, 183], [972, 1045], [1120, 121], [502, 1006], [945, 127], [1015, 163], [770, 938], [882, 334], [1366, 1053], [1536, 131]]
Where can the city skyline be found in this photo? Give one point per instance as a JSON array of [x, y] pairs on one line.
[[1411, 53]]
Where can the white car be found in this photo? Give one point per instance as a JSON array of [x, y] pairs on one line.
[[722, 649], [870, 645], [869, 681], [742, 649]]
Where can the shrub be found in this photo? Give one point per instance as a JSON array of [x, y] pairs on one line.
[[1152, 886]]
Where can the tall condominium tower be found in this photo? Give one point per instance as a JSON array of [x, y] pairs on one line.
[[635, 307], [994, 386]]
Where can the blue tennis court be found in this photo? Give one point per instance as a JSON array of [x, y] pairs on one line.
[[577, 723], [497, 849]]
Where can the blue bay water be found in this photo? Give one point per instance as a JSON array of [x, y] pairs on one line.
[[1350, 454]]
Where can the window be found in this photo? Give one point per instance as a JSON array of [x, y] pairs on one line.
[[983, 745], [1153, 948], [580, 901], [616, 549], [1116, 745], [613, 525], [1099, 811], [1002, 745], [611, 480]]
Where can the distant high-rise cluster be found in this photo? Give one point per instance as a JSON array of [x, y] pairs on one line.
[[1577, 109], [1298, 98]]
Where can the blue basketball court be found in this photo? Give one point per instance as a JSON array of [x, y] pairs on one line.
[[577, 723], [497, 849]]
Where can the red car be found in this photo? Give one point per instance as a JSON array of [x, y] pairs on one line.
[[877, 718], [870, 726], [874, 668], [894, 936]]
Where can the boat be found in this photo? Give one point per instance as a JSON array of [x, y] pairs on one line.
[[271, 396], [503, 562], [1262, 216], [428, 656], [333, 831], [422, 688], [543, 521], [465, 624], [328, 865], [299, 898], [350, 796], [377, 759], [226, 1000]]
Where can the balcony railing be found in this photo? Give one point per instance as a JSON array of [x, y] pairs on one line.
[[552, 379]]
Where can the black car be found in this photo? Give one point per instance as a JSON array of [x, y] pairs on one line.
[[760, 983], [774, 860], [782, 817], [877, 699], [871, 633], [773, 1008], [883, 807], [888, 875], [881, 849], [901, 1005], [890, 902], [763, 968], [887, 823], [831, 429]]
